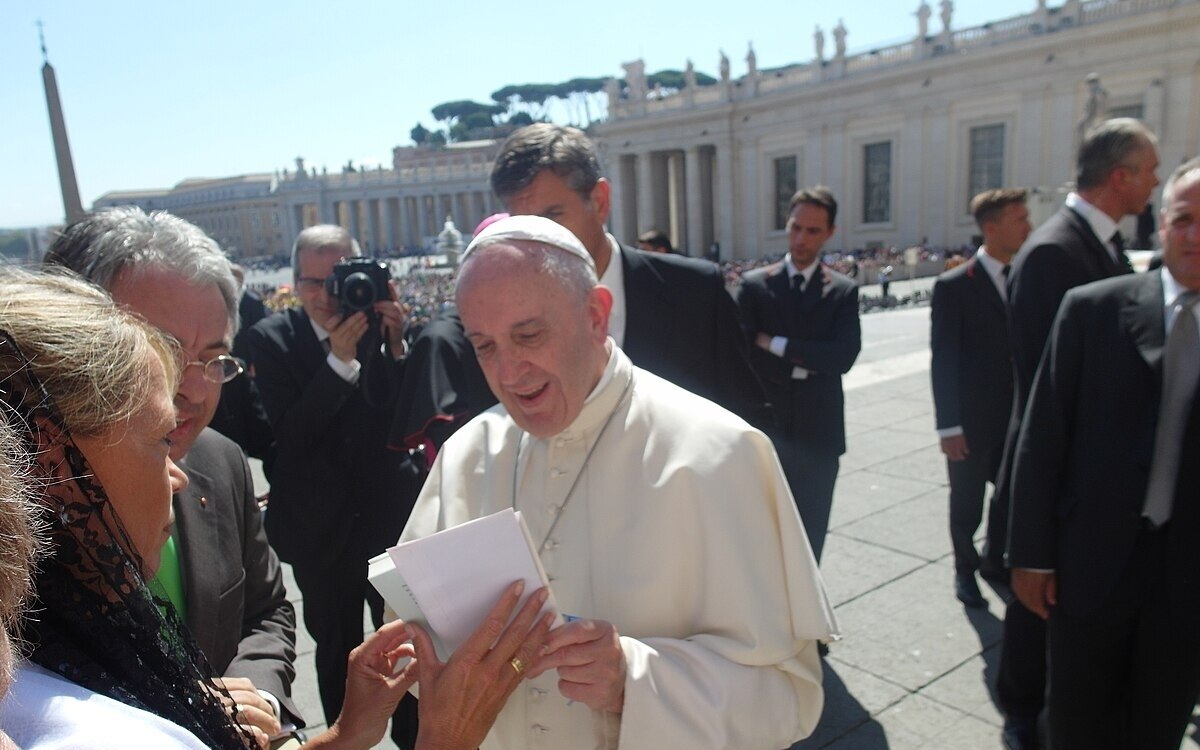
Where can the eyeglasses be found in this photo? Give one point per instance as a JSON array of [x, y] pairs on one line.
[[220, 369], [309, 282]]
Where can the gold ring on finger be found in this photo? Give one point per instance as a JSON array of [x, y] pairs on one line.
[[518, 665]]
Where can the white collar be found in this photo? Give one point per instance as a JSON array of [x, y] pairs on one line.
[[322, 334], [1101, 223], [807, 273]]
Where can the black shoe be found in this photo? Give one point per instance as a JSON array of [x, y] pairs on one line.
[[1020, 734], [967, 591]]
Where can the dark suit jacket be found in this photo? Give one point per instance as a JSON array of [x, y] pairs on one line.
[[682, 325], [1061, 254], [972, 360], [237, 608], [250, 310], [824, 337], [443, 388], [336, 490], [1086, 446]]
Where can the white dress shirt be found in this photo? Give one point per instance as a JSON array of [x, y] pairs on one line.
[[1100, 222], [614, 280], [348, 371], [779, 344]]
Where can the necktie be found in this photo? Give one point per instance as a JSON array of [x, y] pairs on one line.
[[798, 283], [1181, 369], [1004, 272], [1117, 243]]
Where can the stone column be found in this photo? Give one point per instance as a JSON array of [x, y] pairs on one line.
[[623, 203], [694, 242], [373, 235], [645, 193], [723, 199], [393, 222], [354, 209]]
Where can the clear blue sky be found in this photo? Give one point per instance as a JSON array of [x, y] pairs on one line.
[[157, 92]]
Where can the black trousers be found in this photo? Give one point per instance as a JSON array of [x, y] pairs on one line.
[[1021, 677], [1127, 676], [333, 611], [811, 476], [968, 483]]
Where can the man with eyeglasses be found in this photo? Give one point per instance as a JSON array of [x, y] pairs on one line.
[[329, 381], [218, 571]]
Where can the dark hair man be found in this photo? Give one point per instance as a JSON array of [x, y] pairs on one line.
[[801, 318], [655, 241], [972, 373]]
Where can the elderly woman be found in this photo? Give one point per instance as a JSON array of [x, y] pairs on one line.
[[89, 388]]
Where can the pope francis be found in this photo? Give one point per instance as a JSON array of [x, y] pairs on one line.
[[663, 521]]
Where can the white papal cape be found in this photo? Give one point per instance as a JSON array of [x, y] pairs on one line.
[[681, 532]]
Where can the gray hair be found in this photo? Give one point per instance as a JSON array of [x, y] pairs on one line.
[[1107, 146], [570, 271], [128, 239], [1183, 170], [89, 353], [320, 237], [21, 540], [566, 152]]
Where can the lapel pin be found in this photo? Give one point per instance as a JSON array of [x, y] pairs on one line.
[[203, 502]]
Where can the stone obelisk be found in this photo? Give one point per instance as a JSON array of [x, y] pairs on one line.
[[62, 148]]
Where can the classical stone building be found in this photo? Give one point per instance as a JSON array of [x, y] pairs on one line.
[[241, 213], [402, 207], [904, 135]]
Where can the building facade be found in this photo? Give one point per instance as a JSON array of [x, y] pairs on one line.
[[397, 209], [241, 213], [903, 135]]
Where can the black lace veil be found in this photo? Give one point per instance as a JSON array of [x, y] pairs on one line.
[[92, 619]]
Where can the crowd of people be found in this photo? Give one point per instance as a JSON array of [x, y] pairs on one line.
[[617, 397]]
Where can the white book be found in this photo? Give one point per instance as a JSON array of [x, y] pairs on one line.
[[447, 582]]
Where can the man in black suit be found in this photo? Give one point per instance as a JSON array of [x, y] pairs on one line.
[[1115, 175], [218, 570], [338, 495], [1105, 540], [801, 318], [971, 372], [671, 314]]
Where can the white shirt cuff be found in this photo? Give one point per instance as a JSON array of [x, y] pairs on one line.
[[274, 703], [347, 371], [778, 345], [950, 432]]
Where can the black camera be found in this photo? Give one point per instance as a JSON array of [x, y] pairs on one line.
[[358, 283]]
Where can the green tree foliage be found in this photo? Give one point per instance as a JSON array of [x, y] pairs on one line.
[[419, 134], [458, 110]]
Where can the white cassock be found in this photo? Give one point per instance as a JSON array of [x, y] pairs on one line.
[[681, 532]]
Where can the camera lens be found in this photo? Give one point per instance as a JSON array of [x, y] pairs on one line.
[[358, 291]]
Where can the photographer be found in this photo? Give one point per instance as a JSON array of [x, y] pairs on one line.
[[329, 374]]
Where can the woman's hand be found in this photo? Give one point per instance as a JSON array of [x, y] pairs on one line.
[[461, 698]]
